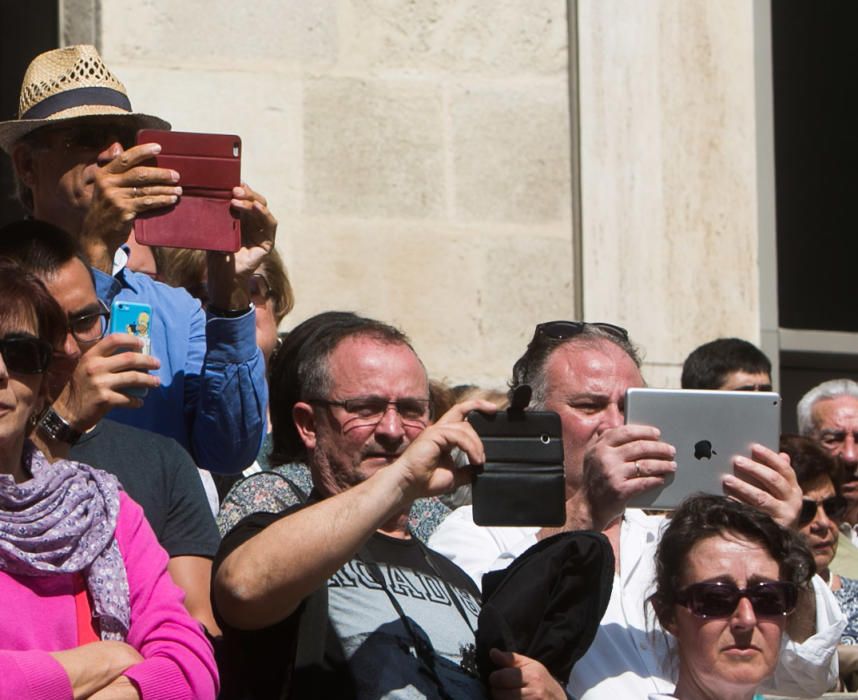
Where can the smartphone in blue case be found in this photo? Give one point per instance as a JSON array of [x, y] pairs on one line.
[[135, 319]]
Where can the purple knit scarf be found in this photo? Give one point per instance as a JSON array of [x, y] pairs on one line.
[[62, 521]]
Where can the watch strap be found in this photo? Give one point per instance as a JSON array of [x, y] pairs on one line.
[[58, 428], [228, 313]]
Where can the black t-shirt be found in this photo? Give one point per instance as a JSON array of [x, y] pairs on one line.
[[160, 475], [347, 640]]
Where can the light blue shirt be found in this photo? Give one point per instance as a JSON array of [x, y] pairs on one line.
[[213, 393]]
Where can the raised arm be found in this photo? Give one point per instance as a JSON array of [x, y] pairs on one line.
[[264, 579]]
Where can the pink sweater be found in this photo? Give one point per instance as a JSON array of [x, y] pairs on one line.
[[38, 616]]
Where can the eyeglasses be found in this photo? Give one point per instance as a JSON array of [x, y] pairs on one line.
[[721, 598], [834, 507], [259, 289], [86, 137], [90, 327], [753, 387], [369, 410], [25, 354], [561, 330]]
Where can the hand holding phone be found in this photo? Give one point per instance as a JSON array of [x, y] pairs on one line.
[[123, 188], [101, 379]]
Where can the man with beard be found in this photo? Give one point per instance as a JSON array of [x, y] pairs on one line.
[[582, 372], [335, 598]]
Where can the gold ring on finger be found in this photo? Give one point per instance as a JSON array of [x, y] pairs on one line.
[[134, 192], [637, 470]]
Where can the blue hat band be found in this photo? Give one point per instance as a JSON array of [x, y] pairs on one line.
[[78, 97]]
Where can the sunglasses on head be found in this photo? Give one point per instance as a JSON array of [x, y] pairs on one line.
[[25, 354], [721, 598], [834, 506], [561, 330]]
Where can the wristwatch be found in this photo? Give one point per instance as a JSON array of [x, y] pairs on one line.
[[57, 428]]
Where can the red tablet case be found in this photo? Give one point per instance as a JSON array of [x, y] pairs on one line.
[[209, 166]]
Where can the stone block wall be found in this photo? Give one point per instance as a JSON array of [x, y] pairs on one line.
[[416, 153], [669, 173]]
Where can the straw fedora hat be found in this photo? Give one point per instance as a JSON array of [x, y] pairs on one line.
[[70, 83]]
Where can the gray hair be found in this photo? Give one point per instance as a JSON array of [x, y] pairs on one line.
[[831, 389], [530, 367]]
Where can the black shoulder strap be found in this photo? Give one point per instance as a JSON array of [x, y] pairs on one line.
[[425, 652], [429, 556]]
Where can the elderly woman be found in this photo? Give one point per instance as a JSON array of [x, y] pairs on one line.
[[823, 508], [822, 511], [727, 576], [89, 610]]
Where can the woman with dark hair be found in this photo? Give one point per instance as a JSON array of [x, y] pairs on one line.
[[727, 576], [89, 610]]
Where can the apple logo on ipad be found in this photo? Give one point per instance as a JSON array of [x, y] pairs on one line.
[[703, 450]]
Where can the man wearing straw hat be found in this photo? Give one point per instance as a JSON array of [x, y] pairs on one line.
[[77, 167]]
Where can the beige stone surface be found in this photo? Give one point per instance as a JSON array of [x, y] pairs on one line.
[[660, 376], [274, 35], [417, 156], [485, 37], [374, 148], [527, 280], [415, 153], [668, 171], [456, 292], [78, 21], [510, 149]]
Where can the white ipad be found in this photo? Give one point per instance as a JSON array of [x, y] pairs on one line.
[[707, 428]]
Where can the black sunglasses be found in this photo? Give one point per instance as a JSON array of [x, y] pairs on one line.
[[25, 354], [93, 136], [721, 598], [561, 330], [834, 506]]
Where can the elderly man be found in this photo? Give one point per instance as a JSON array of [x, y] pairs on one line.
[[727, 364], [828, 413], [336, 599], [77, 167], [582, 371]]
